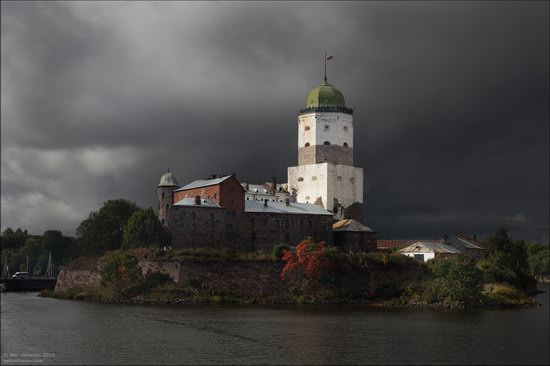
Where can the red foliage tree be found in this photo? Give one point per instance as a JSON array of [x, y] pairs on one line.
[[309, 264]]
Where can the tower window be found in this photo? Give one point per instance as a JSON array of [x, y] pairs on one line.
[[352, 180], [327, 127], [307, 144], [326, 143], [345, 144], [162, 194], [314, 177], [306, 128], [339, 178], [345, 128], [301, 179], [167, 206]]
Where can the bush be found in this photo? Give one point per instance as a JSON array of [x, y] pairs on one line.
[[279, 249], [121, 273], [458, 277]]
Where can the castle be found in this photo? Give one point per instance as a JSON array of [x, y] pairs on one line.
[[325, 186]]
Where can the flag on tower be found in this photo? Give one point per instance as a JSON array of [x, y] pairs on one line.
[[329, 57]]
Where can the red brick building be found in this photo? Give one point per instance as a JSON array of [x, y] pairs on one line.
[[214, 213]]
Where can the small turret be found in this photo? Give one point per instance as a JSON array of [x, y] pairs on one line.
[[165, 193]]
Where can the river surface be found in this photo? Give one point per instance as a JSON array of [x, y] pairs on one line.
[[50, 331]]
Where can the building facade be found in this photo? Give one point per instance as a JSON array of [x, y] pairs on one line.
[[215, 213], [325, 174]]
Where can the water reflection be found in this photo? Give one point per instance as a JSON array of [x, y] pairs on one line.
[[90, 333]]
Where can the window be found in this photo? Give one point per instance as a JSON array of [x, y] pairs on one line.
[[327, 127], [264, 221], [193, 227], [314, 177], [300, 179], [345, 144], [307, 144], [310, 224], [162, 221], [251, 222], [352, 180], [419, 257], [162, 194], [345, 128], [307, 128], [193, 215], [287, 237], [167, 206], [339, 178], [326, 143], [307, 198], [229, 228]]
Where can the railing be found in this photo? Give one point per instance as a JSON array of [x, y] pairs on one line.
[[326, 109]]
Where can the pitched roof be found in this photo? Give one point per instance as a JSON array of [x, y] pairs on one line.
[[395, 243], [351, 225], [281, 207], [430, 246], [470, 241], [203, 183], [190, 201]]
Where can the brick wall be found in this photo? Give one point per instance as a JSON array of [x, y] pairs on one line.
[[335, 154]]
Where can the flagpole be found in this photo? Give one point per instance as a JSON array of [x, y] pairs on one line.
[[325, 66]]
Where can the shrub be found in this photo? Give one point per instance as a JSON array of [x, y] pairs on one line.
[[458, 277], [279, 249], [120, 273]]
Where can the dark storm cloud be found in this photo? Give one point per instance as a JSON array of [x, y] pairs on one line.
[[451, 99]]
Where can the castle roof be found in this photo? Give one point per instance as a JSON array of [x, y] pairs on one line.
[[168, 180], [204, 183], [282, 207], [351, 225]]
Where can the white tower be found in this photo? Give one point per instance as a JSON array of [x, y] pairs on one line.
[[325, 174]]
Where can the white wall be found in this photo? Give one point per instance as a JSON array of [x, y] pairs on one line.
[[331, 181], [318, 132], [427, 255]]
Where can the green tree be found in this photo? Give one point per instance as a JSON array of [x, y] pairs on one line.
[[33, 250], [505, 252], [103, 230], [13, 239], [538, 256], [144, 229], [54, 241], [458, 277], [121, 273]]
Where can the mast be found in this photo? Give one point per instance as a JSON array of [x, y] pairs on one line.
[[49, 269]]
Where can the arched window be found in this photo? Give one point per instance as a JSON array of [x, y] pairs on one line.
[[345, 144], [162, 194], [301, 179], [326, 143], [307, 144], [307, 128], [314, 177], [345, 128]]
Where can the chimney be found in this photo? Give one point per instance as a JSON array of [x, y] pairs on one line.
[[197, 200], [274, 185], [265, 202], [244, 183], [475, 237], [287, 201], [445, 237]]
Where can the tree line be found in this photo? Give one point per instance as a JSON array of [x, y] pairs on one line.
[[118, 224]]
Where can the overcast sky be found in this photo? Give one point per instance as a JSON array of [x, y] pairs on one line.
[[451, 105]]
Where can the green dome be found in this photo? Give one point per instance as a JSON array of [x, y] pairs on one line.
[[325, 95]]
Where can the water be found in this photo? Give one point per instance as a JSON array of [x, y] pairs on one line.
[[72, 332]]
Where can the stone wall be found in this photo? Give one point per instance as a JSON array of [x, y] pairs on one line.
[[194, 226], [248, 278]]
